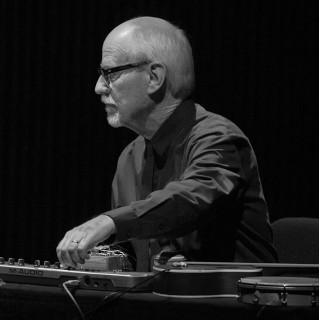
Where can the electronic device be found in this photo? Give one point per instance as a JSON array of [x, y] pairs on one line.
[[48, 274]]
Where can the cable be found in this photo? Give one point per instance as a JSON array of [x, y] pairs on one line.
[[116, 295], [270, 303], [2, 283], [73, 283]]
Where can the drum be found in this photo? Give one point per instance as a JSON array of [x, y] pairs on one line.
[[279, 291]]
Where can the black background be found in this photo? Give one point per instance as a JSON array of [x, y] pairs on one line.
[[256, 63]]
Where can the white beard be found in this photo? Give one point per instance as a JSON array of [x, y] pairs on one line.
[[113, 118]]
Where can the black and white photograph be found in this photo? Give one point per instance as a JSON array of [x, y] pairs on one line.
[[159, 159]]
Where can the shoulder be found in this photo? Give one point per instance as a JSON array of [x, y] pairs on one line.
[[214, 126]]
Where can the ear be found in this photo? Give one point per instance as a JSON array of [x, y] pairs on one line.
[[157, 77]]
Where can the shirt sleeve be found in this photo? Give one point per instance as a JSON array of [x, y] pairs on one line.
[[213, 170]]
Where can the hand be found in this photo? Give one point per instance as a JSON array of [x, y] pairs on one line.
[[73, 248]]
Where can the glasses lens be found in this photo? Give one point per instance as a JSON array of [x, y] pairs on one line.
[[109, 75], [104, 75]]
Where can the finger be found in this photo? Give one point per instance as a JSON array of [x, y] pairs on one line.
[[60, 250], [83, 249], [64, 255], [65, 251], [78, 251], [73, 254]]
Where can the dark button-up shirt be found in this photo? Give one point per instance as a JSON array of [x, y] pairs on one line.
[[195, 186]]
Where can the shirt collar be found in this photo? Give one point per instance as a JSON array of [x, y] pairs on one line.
[[181, 118]]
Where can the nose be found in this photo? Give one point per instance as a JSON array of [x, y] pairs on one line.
[[101, 87]]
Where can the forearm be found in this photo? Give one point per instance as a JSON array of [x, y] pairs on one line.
[[173, 210]]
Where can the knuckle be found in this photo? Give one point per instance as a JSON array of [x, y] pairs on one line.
[[81, 248], [70, 250], [82, 252]]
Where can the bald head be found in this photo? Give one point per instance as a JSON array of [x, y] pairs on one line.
[[151, 25], [157, 40]]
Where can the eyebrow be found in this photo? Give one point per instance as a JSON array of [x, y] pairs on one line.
[[108, 64], [105, 66]]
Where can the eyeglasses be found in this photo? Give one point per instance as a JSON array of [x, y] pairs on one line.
[[107, 74]]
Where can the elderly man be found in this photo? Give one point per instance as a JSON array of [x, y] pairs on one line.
[[190, 180]]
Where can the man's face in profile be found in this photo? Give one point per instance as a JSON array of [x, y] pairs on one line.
[[126, 95]]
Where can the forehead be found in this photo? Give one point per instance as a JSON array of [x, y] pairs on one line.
[[112, 57], [116, 48]]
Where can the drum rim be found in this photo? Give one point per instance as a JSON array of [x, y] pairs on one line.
[[310, 284]]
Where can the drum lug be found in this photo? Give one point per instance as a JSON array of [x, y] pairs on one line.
[[256, 297], [313, 298], [283, 296]]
